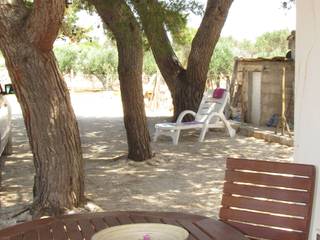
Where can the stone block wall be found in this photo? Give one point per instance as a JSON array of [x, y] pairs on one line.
[[271, 87]]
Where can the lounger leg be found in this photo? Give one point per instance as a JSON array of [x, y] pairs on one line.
[[156, 135], [175, 137], [231, 131], [203, 133]]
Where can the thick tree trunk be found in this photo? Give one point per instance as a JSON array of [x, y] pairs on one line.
[[49, 118], [186, 96], [186, 85], [121, 21]]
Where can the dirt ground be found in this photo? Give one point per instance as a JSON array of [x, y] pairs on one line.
[[183, 178]]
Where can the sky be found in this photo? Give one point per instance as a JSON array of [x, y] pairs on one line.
[[248, 19]]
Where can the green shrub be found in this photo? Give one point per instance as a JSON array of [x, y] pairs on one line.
[[99, 61], [149, 65], [66, 57]]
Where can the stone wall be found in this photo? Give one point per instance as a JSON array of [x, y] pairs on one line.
[[271, 87]]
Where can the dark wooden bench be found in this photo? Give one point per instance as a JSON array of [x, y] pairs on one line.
[[84, 226], [268, 200]]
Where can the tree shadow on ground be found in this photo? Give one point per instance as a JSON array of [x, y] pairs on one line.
[[187, 177], [183, 178]]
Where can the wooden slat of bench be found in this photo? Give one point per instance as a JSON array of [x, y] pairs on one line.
[[272, 167], [196, 232], [153, 219], [58, 231], [266, 206], [267, 233], [265, 192], [98, 224], [138, 219], [263, 219], [268, 180], [31, 235], [69, 226], [87, 229], [165, 215], [170, 221], [24, 227], [220, 231], [45, 233], [125, 219], [72, 229], [18, 237], [191, 237], [111, 221]]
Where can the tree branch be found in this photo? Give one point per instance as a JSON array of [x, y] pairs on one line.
[[154, 29], [207, 37], [44, 22], [117, 15]]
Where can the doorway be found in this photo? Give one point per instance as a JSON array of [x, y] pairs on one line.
[[255, 113]]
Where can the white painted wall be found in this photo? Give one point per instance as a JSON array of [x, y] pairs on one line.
[[307, 100]]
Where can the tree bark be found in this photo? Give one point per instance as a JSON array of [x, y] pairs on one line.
[[120, 20], [186, 85], [26, 43]]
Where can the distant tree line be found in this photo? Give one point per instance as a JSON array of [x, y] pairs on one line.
[[101, 60]]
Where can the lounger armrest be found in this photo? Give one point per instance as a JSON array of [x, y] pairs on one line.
[[184, 113]]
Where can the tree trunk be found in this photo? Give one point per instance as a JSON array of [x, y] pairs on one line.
[[187, 96], [130, 75], [48, 115], [186, 85], [121, 21]]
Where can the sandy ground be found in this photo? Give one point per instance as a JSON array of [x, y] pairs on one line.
[[183, 178]]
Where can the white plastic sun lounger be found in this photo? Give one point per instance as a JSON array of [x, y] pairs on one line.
[[210, 115]]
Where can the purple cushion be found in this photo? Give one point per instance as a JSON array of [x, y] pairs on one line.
[[218, 93]]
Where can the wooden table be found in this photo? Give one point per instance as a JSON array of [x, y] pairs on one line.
[[80, 227]]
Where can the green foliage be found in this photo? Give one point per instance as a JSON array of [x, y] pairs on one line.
[[183, 6], [173, 14], [223, 58], [272, 44], [184, 37], [70, 28], [67, 57], [268, 45], [83, 5], [90, 59], [176, 14], [246, 48], [149, 64], [28, 4], [182, 44], [99, 61]]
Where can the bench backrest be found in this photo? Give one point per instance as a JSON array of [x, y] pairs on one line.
[[268, 200]]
